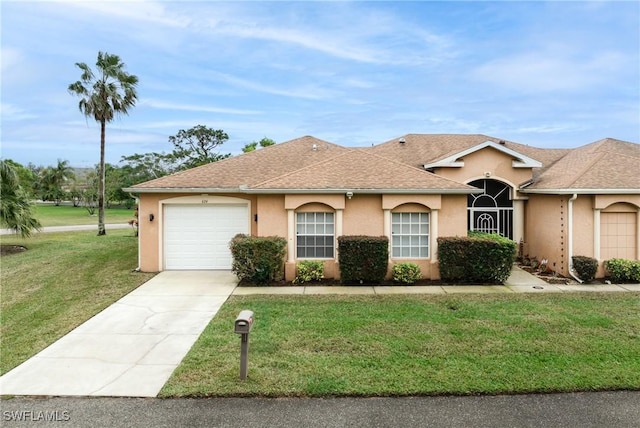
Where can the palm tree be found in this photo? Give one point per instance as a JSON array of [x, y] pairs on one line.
[[63, 172], [53, 179], [15, 208], [111, 93]]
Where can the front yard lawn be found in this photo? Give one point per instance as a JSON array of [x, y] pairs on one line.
[[60, 281], [418, 345], [66, 215]]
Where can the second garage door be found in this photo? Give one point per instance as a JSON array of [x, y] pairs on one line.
[[196, 237]]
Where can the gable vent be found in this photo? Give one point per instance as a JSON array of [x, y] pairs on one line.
[[315, 147]]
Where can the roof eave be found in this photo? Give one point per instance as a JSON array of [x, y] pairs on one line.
[[581, 191], [182, 190], [365, 191]]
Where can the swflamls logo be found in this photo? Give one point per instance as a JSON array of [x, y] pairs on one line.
[[36, 416]]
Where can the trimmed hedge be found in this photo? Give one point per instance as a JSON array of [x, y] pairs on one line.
[[623, 271], [586, 267], [363, 259], [259, 259], [480, 258]]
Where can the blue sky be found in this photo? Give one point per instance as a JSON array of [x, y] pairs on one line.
[[548, 74]]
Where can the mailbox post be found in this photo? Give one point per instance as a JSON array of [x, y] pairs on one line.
[[243, 325]]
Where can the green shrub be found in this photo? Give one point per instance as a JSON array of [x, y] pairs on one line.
[[363, 259], [586, 267], [480, 258], [309, 270], [259, 259], [622, 270], [406, 273]]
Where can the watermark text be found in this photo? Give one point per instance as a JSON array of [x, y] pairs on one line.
[[36, 416]]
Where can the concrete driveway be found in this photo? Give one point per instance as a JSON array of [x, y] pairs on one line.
[[132, 347]]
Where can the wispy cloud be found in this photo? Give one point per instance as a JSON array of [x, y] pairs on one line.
[[11, 112], [168, 105], [153, 12], [549, 72], [307, 91]]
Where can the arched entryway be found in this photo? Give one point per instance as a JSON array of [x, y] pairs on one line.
[[492, 210]]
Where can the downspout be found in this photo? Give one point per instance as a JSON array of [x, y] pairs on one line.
[[570, 236]]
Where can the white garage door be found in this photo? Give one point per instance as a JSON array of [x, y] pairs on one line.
[[196, 237]]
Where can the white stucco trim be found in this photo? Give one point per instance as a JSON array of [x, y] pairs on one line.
[[433, 251], [518, 220], [596, 234], [520, 161], [386, 217], [638, 235], [291, 236], [338, 232]]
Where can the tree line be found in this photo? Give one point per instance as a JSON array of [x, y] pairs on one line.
[[61, 182]]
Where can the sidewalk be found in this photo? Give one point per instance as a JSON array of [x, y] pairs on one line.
[[520, 281], [71, 228]]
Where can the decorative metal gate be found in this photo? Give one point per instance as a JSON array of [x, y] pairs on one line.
[[492, 210]]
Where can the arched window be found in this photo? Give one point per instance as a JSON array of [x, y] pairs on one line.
[[315, 235], [410, 235], [492, 210]]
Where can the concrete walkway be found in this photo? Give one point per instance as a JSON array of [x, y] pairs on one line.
[[132, 347], [53, 229], [520, 281]]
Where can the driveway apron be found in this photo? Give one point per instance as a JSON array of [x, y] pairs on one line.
[[132, 347]]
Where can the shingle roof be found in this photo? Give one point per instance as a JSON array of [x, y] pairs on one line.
[[605, 164], [360, 170], [420, 149], [250, 168], [312, 164]]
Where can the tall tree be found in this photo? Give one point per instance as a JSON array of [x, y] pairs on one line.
[[265, 142], [147, 166], [63, 172], [52, 180], [15, 207], [197, 146], [111, 93]]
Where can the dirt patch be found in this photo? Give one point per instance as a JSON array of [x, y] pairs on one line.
[[7, 250]]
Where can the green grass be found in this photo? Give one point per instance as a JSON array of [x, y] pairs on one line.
[[419, 345], [62, 280], [66, 215]]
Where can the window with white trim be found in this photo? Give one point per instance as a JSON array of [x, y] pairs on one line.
[[410, 235], [315, 235]]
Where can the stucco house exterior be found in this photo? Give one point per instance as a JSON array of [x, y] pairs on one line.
[[413, 189]]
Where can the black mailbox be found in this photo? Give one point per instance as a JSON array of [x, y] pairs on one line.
[[244, 322]]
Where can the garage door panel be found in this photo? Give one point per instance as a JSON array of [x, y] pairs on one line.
[[618, 235], [197, 237]]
